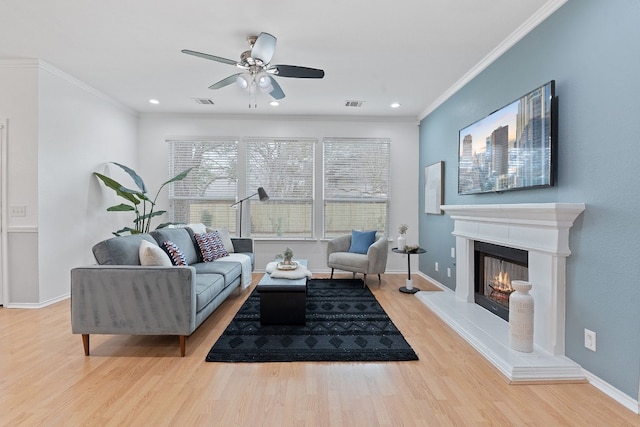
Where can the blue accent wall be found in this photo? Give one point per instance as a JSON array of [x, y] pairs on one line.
[[591, 48]]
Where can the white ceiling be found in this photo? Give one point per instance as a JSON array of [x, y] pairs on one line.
[[407, 51]]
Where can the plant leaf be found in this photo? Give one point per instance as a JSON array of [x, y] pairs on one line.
[[136, 178], [115, 186], [148, 216], [121, 208], [182, 175]]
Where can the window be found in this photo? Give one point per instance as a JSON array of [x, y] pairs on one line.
[[284, 168], [356, 185], [209, 190]]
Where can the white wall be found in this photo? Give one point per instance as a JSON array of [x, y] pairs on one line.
[[59, 131], [80, 130], [155, 128]]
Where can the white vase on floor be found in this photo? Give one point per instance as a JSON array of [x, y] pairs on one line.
[[521, 317]]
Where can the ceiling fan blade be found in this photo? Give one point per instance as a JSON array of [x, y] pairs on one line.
[[264, 47], [277, 92], [225, 82], [299, 72], [210, 57]]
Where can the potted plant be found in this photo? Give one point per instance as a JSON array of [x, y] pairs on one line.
[[286, 256], [139, 203]]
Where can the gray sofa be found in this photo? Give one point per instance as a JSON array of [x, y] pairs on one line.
[[120, 296]]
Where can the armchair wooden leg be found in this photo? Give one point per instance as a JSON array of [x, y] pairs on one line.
[[365, 280], [85, 343], [379, 280], [331, 274], [183, 345]]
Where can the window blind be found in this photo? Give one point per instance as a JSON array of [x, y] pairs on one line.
[[207, 193], [355, 184], [284, 168]]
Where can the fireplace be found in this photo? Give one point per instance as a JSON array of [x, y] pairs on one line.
[[495, 267], [542, 231]]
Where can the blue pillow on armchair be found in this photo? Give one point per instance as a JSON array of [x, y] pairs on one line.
[[361, 240]]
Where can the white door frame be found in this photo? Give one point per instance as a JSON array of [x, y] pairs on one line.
[[4, 290]]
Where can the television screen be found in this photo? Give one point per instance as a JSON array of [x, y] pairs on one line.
[[512, 148]]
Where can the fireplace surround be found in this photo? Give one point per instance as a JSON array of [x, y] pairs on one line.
[[541, 229]]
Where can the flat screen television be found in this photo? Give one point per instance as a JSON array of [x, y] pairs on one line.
[[512, 148]]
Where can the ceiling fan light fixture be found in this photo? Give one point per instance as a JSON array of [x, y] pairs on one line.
[[263, 79], [244, 80]]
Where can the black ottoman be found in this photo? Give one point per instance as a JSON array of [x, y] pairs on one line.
[[283, 303]]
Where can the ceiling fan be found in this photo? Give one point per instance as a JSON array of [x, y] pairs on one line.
[[258, 72]]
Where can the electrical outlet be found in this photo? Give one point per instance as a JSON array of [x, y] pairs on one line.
[[590, 340], [453, 252], [448, 272], [437, 266], [18, 211]]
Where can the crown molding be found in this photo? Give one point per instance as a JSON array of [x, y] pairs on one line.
[[536, 19], [46, 67]]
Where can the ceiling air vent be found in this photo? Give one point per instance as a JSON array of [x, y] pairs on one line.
[[353, 103], [203, 101]]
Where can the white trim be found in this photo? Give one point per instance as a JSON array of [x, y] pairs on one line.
[[33, 306], [22, 229], [44, 66], [4, 261], [617, 395], [543, 13]]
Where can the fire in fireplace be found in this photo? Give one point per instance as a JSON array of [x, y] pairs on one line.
[[495, 267]]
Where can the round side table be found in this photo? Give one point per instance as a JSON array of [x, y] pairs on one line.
[[408, 288]]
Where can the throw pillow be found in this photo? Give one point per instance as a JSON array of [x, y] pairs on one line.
[[151, 254], [226, 239], [211, 246], [174, 252], [361, 240]]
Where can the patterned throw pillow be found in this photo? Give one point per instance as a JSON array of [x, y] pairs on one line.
[[211, 246], [174, 252]]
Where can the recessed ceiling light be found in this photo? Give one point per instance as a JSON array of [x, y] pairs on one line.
[[274, 103], [395, 105], [154, 101]]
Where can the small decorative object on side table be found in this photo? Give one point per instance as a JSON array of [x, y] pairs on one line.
[[408, 251]]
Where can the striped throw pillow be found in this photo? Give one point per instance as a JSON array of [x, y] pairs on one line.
[[211, 246], [174, 252]]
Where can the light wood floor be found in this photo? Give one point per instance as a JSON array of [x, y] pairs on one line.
[[45, 379]]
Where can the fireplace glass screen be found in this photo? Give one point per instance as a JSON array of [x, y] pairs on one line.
[[496, 267]]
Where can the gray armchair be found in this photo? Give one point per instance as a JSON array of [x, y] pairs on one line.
[[373, 262]]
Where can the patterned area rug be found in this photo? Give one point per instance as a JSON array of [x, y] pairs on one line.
[[345, 323]]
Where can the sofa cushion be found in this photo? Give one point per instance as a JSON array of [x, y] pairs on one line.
[[208, 286], [211, 246], [361, 240], [121, 250], [174, 252], [182, 237], [229, 269], [226, 239], [152, 255]]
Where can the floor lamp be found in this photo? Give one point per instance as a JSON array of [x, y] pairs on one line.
[[263, 198]]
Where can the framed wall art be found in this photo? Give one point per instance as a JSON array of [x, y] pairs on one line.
[[433, 188]]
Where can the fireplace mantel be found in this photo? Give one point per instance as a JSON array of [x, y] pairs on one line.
[[542, 229]]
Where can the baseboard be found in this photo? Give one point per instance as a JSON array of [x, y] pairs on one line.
[[612, 392], [32, 306], [620, 397]]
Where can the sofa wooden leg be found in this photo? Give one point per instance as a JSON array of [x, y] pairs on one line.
[[85, 343], [183, 345]]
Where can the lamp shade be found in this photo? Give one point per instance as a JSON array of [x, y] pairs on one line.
[[262, 194]]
